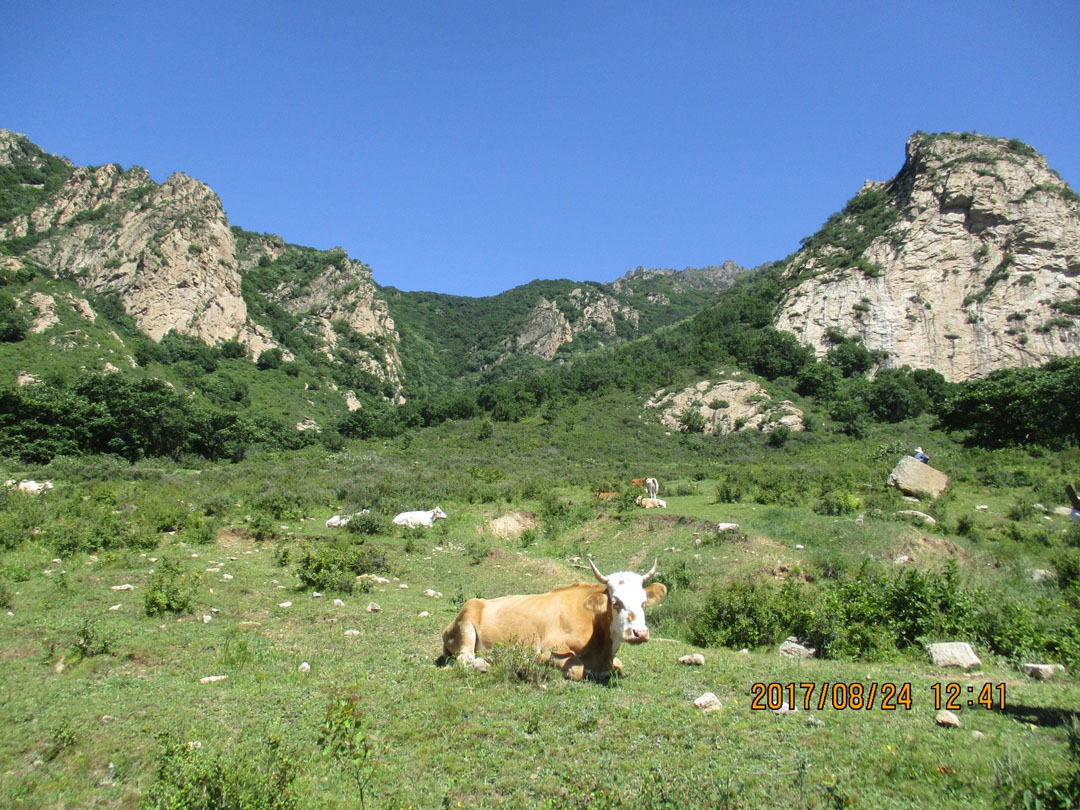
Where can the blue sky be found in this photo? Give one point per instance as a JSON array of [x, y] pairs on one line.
[[469, 147]]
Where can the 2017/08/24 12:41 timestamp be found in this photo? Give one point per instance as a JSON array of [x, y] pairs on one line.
[[884, 696]]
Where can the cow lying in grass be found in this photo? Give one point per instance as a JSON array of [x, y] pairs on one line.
[[423, 519], [578, 628]]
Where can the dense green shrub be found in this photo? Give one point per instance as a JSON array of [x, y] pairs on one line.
[[189, 777], [171, 589], [334, 565]]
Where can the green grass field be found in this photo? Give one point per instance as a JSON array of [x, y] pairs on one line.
[[102, 705]]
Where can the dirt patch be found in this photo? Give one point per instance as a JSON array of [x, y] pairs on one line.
[[920, 547], [229, 539], [512, 525]]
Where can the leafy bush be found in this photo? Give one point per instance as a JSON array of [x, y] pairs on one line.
[[334, 565], [171, 589], [366, 523], [745, 614], [188, 777], [838, 503]]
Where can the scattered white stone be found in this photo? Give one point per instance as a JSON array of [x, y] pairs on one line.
[[793, 649], [708, 702], [696, 659], [982, 507], [226, 577], [744, 651], [1040, 672], [374, 578], [727, 527], [284, 604], [978, 735], [352, 632], [213, 678], [912, 513], [316, 595], [799, 546], [953, 654], [403, 586], [127, 586], [215, 611], [785, 709], [151, 559], [304, 667], [373, 607], [432, 593], [423, 614], [1041, 508], [115, 607], [92, 558], [903, 558], [1042, 575], [206, 618], [213, 570], [338, 603], [947, 719]]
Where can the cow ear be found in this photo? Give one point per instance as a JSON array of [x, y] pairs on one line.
[[597, 602], [656, 591]]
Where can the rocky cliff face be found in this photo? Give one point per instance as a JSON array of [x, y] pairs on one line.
[[166, 251], [966, 262], [547, 327]]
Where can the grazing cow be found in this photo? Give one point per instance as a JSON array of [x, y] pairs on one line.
[[422, 519], [652, 487], [607, 496], [577, 628], [651, 503], [35, 487]]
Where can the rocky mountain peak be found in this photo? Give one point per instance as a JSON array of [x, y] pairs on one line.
[[965, 262]]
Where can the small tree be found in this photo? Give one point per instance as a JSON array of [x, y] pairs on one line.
[[690, 420]]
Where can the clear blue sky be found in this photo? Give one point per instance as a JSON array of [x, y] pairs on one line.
[[469, 147]]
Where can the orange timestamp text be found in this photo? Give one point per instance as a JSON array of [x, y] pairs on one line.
[[884, 696]]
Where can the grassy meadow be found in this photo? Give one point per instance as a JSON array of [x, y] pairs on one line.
[[233, 573]]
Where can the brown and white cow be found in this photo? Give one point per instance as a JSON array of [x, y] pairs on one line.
[[578, 628]]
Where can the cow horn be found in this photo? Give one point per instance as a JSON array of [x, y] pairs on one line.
[[596, 571], [651, 573]]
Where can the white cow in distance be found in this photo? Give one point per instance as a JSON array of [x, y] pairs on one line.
[[341, 521], [423, 519], [30, 487], [651, 503]]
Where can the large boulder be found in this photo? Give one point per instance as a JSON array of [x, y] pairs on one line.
[[912, 477]]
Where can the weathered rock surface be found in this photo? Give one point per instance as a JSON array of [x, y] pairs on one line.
[[912, 477], [983, 245], [953, 654], [727, 406], [547, 327]]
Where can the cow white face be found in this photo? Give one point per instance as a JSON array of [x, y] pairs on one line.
[[438, 514], [629, 595]]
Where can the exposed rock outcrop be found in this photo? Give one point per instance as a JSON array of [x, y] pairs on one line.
[[726, 406], [547, 328], [966, 262]]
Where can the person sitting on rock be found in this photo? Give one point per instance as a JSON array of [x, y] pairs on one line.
[[1075, 501], [922, 456]]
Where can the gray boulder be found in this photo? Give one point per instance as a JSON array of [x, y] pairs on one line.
[[912, 477]]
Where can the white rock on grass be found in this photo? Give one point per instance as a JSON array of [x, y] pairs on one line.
[[127, 586], [953, 654], [1040, 672], [352, 632], [708, 702], [339, 603], [793, 649], [373, 607], [304, 667], [284, 604], [947, 719], [213, 678]]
